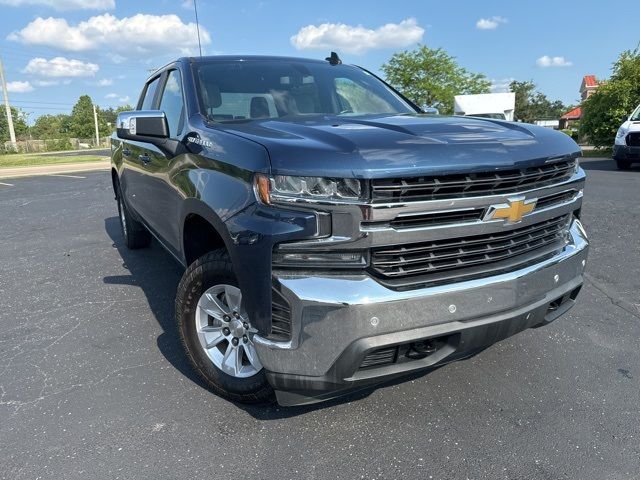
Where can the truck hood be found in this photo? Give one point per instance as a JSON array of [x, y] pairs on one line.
[[400, 145]]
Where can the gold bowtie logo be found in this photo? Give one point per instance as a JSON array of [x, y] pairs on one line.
[[515, 210]]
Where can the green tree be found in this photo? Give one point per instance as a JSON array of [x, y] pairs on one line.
[[20, 126], [52, 126], [532, 105], [432, 77], [82, 124], [109, 115], [604, 109]]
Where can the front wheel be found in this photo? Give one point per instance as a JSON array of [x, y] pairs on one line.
[[216, 332]]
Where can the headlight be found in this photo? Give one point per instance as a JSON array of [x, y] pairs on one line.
[[286, 187]]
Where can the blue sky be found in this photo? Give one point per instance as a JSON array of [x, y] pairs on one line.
[[56, 50]]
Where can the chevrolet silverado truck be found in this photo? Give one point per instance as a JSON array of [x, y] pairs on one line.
[[333, 235]]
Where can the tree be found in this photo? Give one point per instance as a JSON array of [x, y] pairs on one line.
[[109, 115], [82, 124], [20, 126], [604, 109], [52, 126], [532, 105], [432, 77]]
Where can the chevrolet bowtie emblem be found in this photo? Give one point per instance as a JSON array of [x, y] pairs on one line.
[[513, 211]]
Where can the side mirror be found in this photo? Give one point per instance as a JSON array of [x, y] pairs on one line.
[[625, 118], [143, 125], [430, 110]]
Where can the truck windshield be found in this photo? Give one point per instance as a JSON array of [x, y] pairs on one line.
[[635, 116], [257, 89]]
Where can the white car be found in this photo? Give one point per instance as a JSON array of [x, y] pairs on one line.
[[626, 149]]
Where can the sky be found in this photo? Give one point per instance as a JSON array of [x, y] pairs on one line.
[[56, 50]]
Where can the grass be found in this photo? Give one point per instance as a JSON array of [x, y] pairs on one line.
[[31, 160], [598, 153]]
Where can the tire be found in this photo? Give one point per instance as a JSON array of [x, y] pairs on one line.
[[198, 302], [623, 164], [135, 234]]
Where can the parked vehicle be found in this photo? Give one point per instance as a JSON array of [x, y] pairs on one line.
[[333, 235], [626, 148], [498, 106]]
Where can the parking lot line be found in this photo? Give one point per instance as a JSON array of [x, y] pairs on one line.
[[70, 176], [6, 184]]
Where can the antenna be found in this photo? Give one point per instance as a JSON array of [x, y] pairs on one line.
[[195, 8]]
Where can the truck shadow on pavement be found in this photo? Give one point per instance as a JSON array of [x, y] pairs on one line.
[[157, 274], [606, 165]]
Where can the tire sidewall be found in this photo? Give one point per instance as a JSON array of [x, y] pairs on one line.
[[198, 278]]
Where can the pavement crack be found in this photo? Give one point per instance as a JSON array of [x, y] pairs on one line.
[[614, 299]]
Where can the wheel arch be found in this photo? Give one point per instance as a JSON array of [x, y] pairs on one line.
[[115, 179], [202, 231]]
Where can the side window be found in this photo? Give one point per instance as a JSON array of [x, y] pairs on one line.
[[147, 103], [172, 103]]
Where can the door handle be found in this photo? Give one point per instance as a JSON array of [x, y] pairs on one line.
[[144, 158], [126, 152]]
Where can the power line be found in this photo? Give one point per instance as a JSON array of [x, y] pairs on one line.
[[43, 103]]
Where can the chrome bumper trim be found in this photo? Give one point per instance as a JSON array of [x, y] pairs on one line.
[[331, 312]]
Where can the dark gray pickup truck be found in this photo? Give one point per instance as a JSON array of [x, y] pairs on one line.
[[333, 235]]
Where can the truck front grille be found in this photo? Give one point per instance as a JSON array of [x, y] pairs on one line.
[[633, 139], [480, 255], [471, 184]]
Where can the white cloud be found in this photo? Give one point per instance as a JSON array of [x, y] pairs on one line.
[[65, 4], [187, 4], [19, 87], [501, 85], [357, 39], [490, 23], [104, 82], [46, 83], [120, 98], [136, 36], [547, 61], [60, 67]]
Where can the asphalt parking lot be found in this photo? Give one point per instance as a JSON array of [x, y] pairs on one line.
[[93, 383]]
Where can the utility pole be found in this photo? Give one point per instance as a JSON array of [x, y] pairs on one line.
[[95, 119], [12, 133]]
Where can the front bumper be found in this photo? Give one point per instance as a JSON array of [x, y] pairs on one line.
[[626, 153], [339, 320]]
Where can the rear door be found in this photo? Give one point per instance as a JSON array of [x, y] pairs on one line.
[[132, 151]]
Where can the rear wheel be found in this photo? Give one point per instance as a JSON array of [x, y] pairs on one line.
[[134, 233], [216, 331]]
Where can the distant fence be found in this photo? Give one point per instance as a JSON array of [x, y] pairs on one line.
[[52, 145]]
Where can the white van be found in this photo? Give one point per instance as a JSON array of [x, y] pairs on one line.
[[626, 149]]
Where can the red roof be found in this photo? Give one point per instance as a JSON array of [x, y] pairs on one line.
[[590, 81], [574, 114]]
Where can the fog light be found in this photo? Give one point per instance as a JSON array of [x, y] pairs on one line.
[[320, 259]]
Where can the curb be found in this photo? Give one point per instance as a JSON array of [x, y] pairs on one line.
[[17, 172]]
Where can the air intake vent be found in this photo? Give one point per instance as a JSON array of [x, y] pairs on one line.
[[280, 316], [456, 256]]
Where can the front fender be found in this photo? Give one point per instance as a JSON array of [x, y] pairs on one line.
[[249, 236]]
